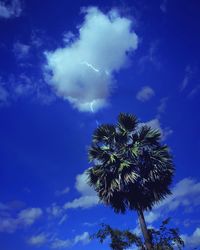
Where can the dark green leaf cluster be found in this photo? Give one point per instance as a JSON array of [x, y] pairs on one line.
[[119, 240], [166, 238], [163, 238], [131, 169]]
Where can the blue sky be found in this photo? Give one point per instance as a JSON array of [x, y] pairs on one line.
[[66, 67]]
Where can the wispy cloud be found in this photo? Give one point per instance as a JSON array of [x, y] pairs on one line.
[[185, 195], [83, 239], [60, 244], [57, 212], [193, 240], [162, 106], [12, 10], [145, 94], [163, 6], [82, 71], [189, 72], [156, 124], [151, 56], [56, 243], [62, 219], [88, 195], [21, 50], [10, 223], [37, 240], [62, 192], [151, 217], [54, 210], [194, 91], [24, 86]]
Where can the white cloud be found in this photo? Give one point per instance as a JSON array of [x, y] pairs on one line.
[[82, 202], [163, 105], [88, 195], [63, 219], [55, 243], [151, 216], [82, 71], [192, 240], [82, 185], [21, 50], [83, 239], [189, 71], [26, 217], [59, 244], [12, 10], [38, 240], [145, 94], [29, 216], [89, 224], [25, 86], [185, 195], [155, 124], [54, 210], [62, 192]]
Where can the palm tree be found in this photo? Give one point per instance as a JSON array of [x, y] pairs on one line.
[[131, 169]]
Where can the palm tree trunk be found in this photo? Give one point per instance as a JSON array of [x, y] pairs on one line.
[[145, 232]]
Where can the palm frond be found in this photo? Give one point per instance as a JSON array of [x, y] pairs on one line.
[[127, 122], [148, 135], [104, 133]]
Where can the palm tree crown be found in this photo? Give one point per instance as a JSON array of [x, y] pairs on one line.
[[131, 169]]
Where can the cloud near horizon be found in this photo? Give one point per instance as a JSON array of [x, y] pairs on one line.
[[82, 72]]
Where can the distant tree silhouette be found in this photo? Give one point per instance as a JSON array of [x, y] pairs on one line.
[[166, 238], [119, 240], [163, 238], [131, 169]]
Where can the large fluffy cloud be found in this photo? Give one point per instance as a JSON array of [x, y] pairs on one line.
[[82, 70]]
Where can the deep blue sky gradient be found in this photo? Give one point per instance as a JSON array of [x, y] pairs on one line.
[[43, 147]]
